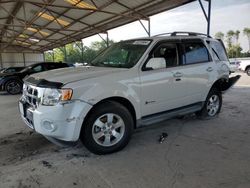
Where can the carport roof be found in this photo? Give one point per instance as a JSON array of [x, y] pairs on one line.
[[40, 25]]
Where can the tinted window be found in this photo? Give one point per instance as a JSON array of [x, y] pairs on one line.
[[124, 54], [13, 69], [37, 68], [218, 51], [168, 52], [51, 66], [195, 53]]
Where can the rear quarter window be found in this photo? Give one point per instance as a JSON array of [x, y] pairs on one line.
[[218, 50]]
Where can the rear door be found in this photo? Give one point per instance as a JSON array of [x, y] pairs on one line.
[[199, 71]]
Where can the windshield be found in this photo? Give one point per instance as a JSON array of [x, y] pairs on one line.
[[124, 54]]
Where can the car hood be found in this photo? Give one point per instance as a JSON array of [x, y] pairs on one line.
[[73, 74]]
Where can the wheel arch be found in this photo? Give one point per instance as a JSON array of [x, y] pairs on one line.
[[218, 84], [123, 101], [247, 67], [224, 84]]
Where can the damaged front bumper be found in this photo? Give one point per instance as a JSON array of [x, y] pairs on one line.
[[61, 122]]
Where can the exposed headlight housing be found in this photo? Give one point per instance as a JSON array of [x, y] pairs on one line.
[[52, 97]]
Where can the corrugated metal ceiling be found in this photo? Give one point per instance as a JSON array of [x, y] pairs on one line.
[[40, 25]]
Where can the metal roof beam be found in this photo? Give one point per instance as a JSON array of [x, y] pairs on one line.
[[34, 18], [11, 17]]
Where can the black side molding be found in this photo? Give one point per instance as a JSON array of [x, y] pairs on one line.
[[43, 83]]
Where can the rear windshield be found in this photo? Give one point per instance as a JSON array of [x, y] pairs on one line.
[[219, 51]]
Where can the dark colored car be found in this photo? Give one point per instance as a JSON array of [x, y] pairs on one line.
[[12, 69], [13, 82], [2, 69]]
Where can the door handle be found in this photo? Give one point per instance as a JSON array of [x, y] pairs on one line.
[[178, 74], [210, 69]]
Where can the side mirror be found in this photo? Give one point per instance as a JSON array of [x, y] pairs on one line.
[[156, 63]]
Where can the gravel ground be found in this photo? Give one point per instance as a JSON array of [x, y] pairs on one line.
[[196, 153]]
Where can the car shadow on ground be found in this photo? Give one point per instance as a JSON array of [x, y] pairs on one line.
[[22, 146]]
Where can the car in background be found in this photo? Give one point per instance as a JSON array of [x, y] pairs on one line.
[[12, 82], [12, 69], [2, 69], [245, 66], [234, 65]]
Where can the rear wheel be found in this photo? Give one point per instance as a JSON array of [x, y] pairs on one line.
[[248, 71], [108, 128], [13, 87], [212, 105]]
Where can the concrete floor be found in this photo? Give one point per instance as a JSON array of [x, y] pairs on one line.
[[196, 154]]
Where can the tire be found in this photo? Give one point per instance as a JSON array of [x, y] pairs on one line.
[[108, 128], [13, 87], [212, 105], [248, 71]]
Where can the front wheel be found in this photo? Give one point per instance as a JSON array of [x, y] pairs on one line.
[[248, 71], [13, 87], [108, 128], [212, 105]]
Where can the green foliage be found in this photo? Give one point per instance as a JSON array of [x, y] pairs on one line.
[[230, 35], [234, 51], [219, 35], [75, 52], [232, 39], [246, 32]]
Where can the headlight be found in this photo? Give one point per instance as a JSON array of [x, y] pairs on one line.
[[52, 97]]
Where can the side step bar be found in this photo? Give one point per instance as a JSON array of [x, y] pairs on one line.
[[159, 117]]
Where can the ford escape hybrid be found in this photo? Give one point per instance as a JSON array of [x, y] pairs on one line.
[[131, 84]]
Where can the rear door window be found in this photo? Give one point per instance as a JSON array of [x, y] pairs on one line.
[[195, 52]]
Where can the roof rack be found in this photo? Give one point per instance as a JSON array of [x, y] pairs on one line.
[[183, 33]]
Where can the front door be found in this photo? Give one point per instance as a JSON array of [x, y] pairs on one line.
[[162, 81]]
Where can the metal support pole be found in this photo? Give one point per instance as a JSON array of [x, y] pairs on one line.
[[1, 60], [82, 51], [43, 57], [53, 55], [24, 60], [203, 10], [149, 28], [65, 53], [107, 42], [209, 17]]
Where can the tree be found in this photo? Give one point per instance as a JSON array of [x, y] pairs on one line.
[[219, 35], [246, 32], [230, 35], [234, 51], [237, 35]]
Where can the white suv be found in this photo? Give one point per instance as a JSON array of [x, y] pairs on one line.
[[245, 66], [132, 84]]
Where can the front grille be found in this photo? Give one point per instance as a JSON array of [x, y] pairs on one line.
[[31, 95]]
